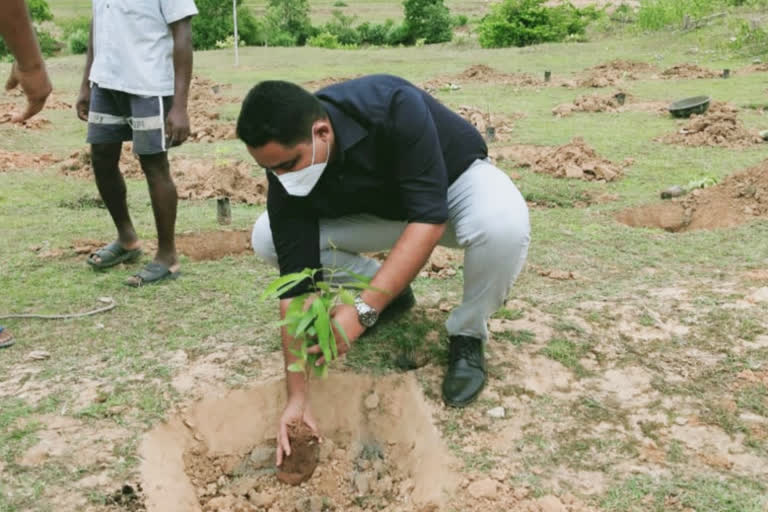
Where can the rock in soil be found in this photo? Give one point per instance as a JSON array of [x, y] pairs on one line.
[[486, 488], [305, 453]]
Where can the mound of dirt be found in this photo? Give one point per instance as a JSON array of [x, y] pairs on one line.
[[482, 120], [204, 100], [688, 71], [380, 449], [574, 160], [203, 179], [213, 245], [13, 160], [613, 72], [578, 160], [195, 179], [315, 85], [754, 68], [587, 103], [520, 155], [480, 73], [739, 198], [78, 164], [720, 127]]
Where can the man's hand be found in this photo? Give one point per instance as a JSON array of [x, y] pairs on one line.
[[83, 103], [292, 414], [177, 125], [346, 317], [36, 85]]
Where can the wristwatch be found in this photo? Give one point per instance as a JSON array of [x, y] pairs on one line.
[[365, 313]]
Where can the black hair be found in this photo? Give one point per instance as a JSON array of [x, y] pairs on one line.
[[278, 111]]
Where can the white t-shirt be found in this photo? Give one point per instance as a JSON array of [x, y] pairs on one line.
[[133, 44]]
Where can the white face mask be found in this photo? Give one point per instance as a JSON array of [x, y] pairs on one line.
[[300, 183]]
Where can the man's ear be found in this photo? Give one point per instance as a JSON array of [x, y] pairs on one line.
[[324, 129]]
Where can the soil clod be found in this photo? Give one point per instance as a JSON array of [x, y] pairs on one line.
[[305, 454]]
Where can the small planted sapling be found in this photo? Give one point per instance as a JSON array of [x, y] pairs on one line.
[[309, 321]]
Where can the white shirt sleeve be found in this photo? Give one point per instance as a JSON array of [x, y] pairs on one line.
[[175, 10]]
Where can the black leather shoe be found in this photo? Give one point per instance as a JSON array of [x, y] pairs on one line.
[[465, 377]]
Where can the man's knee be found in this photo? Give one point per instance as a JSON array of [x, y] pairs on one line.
[[155, 166], [261, 241], [104, 156]]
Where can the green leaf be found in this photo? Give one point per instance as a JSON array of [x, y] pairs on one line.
[[295, 352], [347, 297], [297, 366], [288, 281], [323, 326], [321, 371], [306, 321], [343, 335], [323, 286]]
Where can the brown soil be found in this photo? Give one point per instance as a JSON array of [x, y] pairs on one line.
[[203, 179], [194, 178], [36, 123], [614, 72], [379, 447], [519, 155], [481, 120], [480, 73], [206, 246], [688, 71], [719, 127], [587, 103], [578, 160], [205, 98], [12, 160], [739, 198], [213, 245], [573, 160], [754, 68], [305, 454], [315, 85]]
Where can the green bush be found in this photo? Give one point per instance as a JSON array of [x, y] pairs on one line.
[[429, 20], [39, 10], [750, 40], [527, 22], [71, 25], [377, 34], [324, 40], [214, 23], [290, 17], [78, 42], [460, 20], [342, 27], [48, 44]]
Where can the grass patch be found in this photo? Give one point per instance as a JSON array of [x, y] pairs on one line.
[[567, 353], [516, 337], [703, 494]]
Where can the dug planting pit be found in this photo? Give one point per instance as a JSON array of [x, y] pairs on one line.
[[379, 449], [738, 199]]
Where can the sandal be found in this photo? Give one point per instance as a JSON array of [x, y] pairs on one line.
[[153, 272], [6, 338], [111, 255]]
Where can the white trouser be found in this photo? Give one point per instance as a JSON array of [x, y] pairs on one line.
[[488, 218]]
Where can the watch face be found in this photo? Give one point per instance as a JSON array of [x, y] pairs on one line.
[[365, 313]]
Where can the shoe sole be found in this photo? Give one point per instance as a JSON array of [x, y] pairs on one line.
[[461, 405]]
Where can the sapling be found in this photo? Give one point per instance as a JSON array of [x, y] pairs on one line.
[[308, 321]]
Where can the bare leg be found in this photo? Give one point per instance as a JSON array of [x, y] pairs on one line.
[[105, 159], [162, 191]]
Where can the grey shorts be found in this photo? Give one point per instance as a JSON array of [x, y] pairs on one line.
[[117, 116]]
